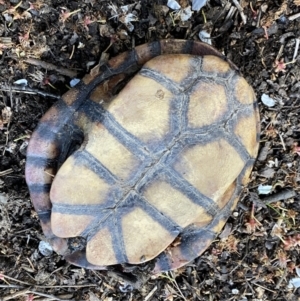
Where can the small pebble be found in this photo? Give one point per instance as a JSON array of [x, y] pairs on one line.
[[267, 100], [45, 248], [74, 82]]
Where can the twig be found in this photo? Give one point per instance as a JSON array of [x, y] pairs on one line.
[[151, 293], [28, 291], [282, 41], [66, 286], [230, 13], [14, 279], [48, 286], [27, 90], [297, 40], [293, 17], [65, 297], [44, 286], [32, 266], [49, 66], [286, 36], [252, 290], [282, 195], [176, 284], [265, 288], [72, 53], [279, 52], [282, 141], [10, 286], [26, 136], [280, 280], [240, 9], [6, 172], [258, 18], [291, 107], [16, 294], [46, 295]]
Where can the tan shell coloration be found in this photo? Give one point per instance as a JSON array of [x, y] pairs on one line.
[[165, 159]]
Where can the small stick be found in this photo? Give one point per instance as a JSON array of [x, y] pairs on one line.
[[265, 288], [49, 66], [282, 195], [48, 286], [151, 293], [12, 296], [72, 53], [28, 291], [66, 286], [293, 17], [279, 52], [30, 263], [46, 295], [296, 48], [10, 286], [6, 172], [258, 18], [230, 13], [280, 280], [252, 290], [27, 90], [282, 142], [14, 279], [240, 9], [176, 285]]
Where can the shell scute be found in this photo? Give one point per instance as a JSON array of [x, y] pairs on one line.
[[135, 109], [148, 229], [75, 225], [213, 105], [175, 205], [220, 166], [216, 67], [167, 66], [107, 254], [243, 92], [76, 174], [111, 153]]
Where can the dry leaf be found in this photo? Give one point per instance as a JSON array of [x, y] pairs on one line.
[[272, 16], [267, 173], [5, 116]]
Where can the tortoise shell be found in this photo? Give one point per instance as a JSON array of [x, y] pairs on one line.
[[149, 171]]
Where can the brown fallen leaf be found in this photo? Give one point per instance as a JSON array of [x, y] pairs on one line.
[[5, 116], [271, 16]]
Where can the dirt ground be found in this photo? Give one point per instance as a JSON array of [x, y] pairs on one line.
[[45, 44]]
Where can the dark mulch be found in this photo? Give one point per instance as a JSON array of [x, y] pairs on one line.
[[258, 251]]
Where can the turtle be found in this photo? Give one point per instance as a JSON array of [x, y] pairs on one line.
[[145, 158]]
